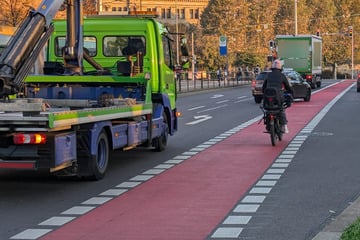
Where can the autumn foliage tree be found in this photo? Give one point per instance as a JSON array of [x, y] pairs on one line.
[[12, 12], [262, 20]]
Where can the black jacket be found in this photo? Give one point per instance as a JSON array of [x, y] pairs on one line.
[[276, 79]]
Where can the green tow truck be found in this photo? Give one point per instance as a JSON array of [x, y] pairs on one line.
[[105, 83]]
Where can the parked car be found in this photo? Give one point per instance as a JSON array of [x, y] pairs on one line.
[[301, 87], [358, 83]]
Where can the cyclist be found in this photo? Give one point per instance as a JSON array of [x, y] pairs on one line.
[[276, 79]]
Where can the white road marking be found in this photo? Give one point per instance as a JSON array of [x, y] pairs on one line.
[[56, 221], [31, 234], [195, 108], [78, 210], [214, 108], [199, 119], [217, 96], [237, 220], [223, 101]]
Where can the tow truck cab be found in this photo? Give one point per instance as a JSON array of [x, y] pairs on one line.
[[107, 40]]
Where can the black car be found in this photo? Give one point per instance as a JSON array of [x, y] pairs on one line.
[[301, 88], [358, 83]]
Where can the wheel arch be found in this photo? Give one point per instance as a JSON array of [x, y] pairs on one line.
[[162, 105]]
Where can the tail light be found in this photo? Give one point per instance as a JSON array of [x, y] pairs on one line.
[[30, 138], [308, 77], [253, 83], [359, 76]]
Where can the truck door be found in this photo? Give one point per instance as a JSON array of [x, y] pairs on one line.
[[168, 84]]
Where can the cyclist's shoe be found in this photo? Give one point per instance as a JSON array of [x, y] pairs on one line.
[[286, 130]]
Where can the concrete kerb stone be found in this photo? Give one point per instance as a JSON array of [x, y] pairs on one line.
[[334, 229]]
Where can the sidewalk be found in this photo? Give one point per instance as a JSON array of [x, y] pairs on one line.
[[334, 229]]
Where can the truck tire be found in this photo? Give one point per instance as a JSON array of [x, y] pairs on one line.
[[99, 162], [160, 142]]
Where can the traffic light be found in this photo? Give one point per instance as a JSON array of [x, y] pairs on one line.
[[272, 44], [318, 33], [350, 31]]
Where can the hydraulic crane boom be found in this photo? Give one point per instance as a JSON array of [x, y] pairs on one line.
[[32, 35]]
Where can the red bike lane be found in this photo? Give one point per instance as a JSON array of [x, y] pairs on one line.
[[190, 199]]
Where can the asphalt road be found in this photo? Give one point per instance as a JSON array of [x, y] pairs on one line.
[[317, 186]]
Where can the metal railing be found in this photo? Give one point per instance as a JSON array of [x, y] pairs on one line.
[[211, 80]]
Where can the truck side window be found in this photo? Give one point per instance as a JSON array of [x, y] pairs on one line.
[[89, 43], [167, 51], [116, 46]]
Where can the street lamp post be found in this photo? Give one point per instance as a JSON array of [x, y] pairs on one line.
[[352, 53], [295, 16], [177, 31]]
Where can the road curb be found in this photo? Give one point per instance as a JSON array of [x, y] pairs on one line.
[[334, 229]]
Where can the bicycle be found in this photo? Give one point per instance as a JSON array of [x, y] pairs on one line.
[[272, 108]]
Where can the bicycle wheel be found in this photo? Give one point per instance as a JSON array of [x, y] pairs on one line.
[[278, 130], [273, 134]]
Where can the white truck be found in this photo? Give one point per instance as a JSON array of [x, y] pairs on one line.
[[303, 53]]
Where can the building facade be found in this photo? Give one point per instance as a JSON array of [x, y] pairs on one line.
[[168, 11]]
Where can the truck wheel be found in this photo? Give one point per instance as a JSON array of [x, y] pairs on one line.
[[100, 161], [160, 142]]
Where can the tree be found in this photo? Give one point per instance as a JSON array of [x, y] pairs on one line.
[[14, 11], [228, 18]]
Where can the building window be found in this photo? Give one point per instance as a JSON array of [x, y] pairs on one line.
[[168, 13], [113, 9], [197, 14], [119, 9], [163, 14], [191, 11], [182, 13]]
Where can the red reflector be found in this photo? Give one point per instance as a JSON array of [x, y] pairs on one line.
[[32, 138], [270, 99], [308, 77], [19, 165], [253, 83]]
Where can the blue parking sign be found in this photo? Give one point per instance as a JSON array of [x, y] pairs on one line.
[[223, 45]]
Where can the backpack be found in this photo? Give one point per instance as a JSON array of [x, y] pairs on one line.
[[272, 99]]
